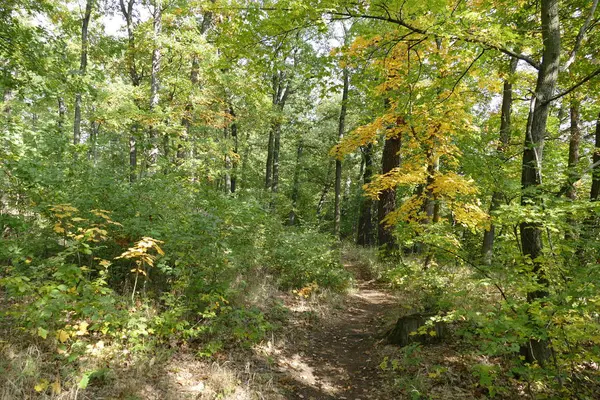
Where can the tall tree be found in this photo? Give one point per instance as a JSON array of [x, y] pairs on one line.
[[390, 159], [85, 22], [338, 161], [154, 77], [531, 177], [365, 219], [505, 129], [595, 190], [134, 76]]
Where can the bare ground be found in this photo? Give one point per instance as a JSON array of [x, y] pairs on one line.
[[334, 358]]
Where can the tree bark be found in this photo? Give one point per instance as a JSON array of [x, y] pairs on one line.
[[155, 78], [325, 191], [227, 176], [234, 137], [387, 199], [127, 11], [531, 176], [62, 110], [338, 162], [292, 218], [365, 219], [132, 159], [280, 93], [187, 118], [574, 143], [269, 168], [82, 70], [595, 191], [505, 127], [276, 149]]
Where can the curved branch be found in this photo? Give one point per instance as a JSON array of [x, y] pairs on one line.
[[425, 32], [575, 86]]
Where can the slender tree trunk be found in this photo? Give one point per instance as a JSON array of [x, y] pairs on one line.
[[387, 198], [338, 162], [574, 143], [155, 79], [269, 168], [187, 118], [531, 177], [82, 70], [234, 137], [292, 219], [365, 219], [505, 127], [132, 159], [127, 11], [95, 129], [276, 149], [182, 151], [62, 111], [227, 176], [325, 191], [595, 191]]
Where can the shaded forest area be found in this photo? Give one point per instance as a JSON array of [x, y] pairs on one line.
[[277, 199]]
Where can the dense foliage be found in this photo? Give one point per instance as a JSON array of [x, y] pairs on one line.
[[161, 160]]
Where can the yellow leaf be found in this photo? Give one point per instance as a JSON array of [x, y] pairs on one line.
[[82, 328], [62, 336], [58, 229], [41, 385], [56, 389]]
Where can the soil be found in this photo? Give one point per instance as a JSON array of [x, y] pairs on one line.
[[335, 358]]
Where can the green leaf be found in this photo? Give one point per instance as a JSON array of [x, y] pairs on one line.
[[84, 381], [43, 333]]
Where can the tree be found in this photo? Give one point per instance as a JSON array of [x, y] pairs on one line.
[[82, 69]]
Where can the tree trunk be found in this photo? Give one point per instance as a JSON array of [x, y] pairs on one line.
[[505, 126], [127, 11], [234, 137], [338, 162], [531, 176], [574, 142], [62, 110], [95, 129], [572, 175], [132, 159], [276, 149], [365, 219], [227, 176], [292, 219], [324, 192], [187, 118], [595, 191], [387, 198], [155, 79], [82, 70], [269, 168]]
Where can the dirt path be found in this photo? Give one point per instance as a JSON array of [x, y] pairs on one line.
[[334, 359]]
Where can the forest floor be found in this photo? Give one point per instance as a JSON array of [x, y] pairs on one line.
[[336, 359], [326, 348]]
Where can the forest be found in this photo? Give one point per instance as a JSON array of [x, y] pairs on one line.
[[299, 199]]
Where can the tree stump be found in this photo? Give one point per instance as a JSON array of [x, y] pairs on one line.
[[401, 335]]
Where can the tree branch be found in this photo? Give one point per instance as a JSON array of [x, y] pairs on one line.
[[580, 37], [575, 86], [425, 32], [462, 76]]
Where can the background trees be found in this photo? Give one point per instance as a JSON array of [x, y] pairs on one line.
[[235, 136]]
